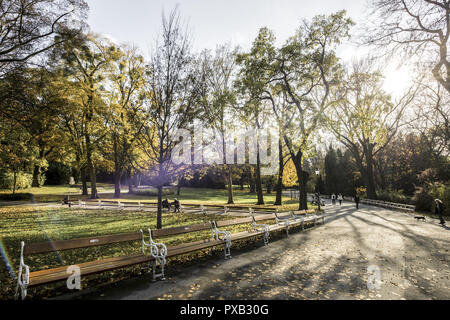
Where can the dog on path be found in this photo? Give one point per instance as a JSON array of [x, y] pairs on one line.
[[420, 219]]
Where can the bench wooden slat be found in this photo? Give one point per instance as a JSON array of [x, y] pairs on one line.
[[191, 247], [180, 230], [93, 267], [60, 245]]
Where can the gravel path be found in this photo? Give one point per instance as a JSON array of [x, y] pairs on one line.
[[339, 260]]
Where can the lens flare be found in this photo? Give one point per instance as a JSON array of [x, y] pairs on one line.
[[7, 260]]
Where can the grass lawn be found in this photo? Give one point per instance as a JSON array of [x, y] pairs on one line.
[[188, 195]]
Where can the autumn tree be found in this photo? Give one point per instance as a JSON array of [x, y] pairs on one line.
[[16, 153], [304, 69], [432, 111], [85, 62], [254, 78], [218, 100], [32, 99], [365, 119], [124, 95], [172, 91]]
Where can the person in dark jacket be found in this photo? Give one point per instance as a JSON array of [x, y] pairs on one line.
[[176, 205], [166, 204], [357, 201], [440, 209]]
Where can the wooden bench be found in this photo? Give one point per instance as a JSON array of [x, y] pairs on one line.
[[103, 204], [293, 219], [151, 251], [389, 205], [189, 208]]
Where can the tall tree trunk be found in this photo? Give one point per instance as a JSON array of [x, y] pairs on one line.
[[298, 163], [117, 167], [227, 170], [371, 189], [230, 184], [131, 181], [159, 213], [84, 181], [91, 167], [15, 182], [279, 195], [87, 138], [36, 182], [179, 184], [252, 181], [117, 177], [259, 189], [36, 176], [303, 191]]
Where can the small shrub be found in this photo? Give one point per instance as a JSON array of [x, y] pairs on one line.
[[23, 180], [15, 197], [423, 200], [154, 192], [394, 196]]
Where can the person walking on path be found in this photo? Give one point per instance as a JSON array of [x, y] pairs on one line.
[[340, 199], [357, 201], [440, 209], [333, 199]]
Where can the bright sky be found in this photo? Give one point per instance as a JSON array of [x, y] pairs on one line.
[[213, 22]]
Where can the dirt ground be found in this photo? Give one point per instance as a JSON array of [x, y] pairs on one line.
[[343, 259]]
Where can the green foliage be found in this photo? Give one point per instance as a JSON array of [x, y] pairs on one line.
[[423, 200], [15, 197], [396, 196], [154, 192], [361, 191], [431, 188], [57, 173], [23, 180]]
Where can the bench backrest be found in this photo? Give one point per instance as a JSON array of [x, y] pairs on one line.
[[61, 245], [208, 207]]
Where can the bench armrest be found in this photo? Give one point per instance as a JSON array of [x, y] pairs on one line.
[[23, 278], [257, 226], [157, 250], [219, 234], [224, 236]]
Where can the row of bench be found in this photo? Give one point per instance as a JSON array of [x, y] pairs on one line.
[[389, 205], [141, 206], [152, 252]]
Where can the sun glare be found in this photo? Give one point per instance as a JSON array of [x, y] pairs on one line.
[[397, 80]]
